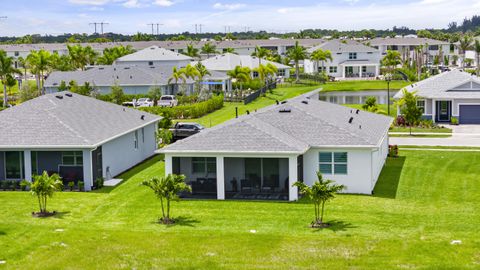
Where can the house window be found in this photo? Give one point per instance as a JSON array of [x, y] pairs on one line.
[[281, 73], [150, 63], [72, 158], [255, 74], [421, 105], [180, 50], [352, 56], [333, 163], [143, 135], [204, 165], [364, 68], [135, 140], [333, 69], [321, 69], [16, 53]]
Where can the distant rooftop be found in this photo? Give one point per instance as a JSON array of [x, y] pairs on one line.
[[229, 61], [346, 45], [404, 41], [154, 53]]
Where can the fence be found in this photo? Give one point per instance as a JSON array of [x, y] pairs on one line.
[[258, 93]]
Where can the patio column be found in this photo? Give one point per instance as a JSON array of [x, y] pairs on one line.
[[220, 179], [434, 110], [27, 159], [168, 165], [360, 71], [87, 169], [344, 71], [377, 70], [292, 178]]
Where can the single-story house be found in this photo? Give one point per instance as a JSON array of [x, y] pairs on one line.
[[132, 79], [78, 137], [350, 59], [261, 154], [454, 93], [228, 61], [155, 56]]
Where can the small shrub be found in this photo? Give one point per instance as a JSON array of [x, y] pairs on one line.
[[24, 184], [195, 110], [393, 151], [81, 185], [99, 182], [454, 121], [14, 185], [400, 121], [164, 137], [71, 185], [426, 124], [5, 184]]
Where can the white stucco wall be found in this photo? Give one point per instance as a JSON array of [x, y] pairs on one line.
[[120, 154], [359, 169]]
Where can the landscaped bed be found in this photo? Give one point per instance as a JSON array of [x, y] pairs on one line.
[[425, 209]]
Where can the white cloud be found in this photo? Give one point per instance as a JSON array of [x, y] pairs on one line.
[[96, 8], [282, 10], [351, 2], [132, 4], [232, 6], [163, 3], [89, 2]]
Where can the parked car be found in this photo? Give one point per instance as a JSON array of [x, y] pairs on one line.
[[184, 130], [167, 101], [144, 102]]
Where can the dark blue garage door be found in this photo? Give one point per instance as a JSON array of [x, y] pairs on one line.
[[469, 114]]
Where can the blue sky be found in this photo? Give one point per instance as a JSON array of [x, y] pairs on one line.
[[130, 16]]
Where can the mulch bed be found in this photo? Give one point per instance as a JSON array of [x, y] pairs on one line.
[[43, 215]]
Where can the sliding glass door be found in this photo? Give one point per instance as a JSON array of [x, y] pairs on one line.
[[14, 165]]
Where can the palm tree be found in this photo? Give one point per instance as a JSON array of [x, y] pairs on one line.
[[265, 71], [190, 72], [297, 53], [44, 186], [202, 72], [464, 44], [321, 55], [261, 53], [6, 70], [111, 54], [177, 74], [82, 56], [23, 62], [391, 60], [321, 191], [229, 50], [167, 190], [477, 55], [240, 74], [40, 63], [208, 48], [192, 51]]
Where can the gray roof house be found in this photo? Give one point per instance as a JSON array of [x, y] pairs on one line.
[[132, 79], [260, 155], [351, 60], [78, 137], [228, 61], [155, 56], [454, 93]]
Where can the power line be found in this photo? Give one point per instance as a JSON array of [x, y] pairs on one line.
[[197, 28], [158, 27]]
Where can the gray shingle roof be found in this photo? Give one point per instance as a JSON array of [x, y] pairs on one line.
[[347, 45], [154, 53], [77, 121], [447, 85], [406, 41], [229, 61], [139, 45], [109, 75], [316, 124]]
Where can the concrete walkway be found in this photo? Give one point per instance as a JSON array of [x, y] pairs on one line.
[[462, 135]]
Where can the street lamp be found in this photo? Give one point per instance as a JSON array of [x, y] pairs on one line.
[[388, 78]]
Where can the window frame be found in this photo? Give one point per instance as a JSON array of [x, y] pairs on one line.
[[332, 163], [204, 162], [421, 107], [135, 140], [76, 155], [352, 56], [332, 69]]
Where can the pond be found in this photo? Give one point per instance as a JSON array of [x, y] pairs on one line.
[[356, 97]]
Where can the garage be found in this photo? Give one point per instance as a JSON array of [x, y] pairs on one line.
[[469, 114]]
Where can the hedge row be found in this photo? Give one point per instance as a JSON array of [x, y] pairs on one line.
[[189, 111]]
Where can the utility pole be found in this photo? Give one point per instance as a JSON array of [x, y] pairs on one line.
[[158, 27], [95, 24]]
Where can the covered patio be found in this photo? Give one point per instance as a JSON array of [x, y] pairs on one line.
[[359, 69]]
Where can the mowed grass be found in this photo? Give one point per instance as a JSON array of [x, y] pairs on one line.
[[423, 201], [228, 110], [363, 85]]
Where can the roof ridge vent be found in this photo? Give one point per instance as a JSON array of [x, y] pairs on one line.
[[357, 111], [304, 101], [283, 102], [59, 96], [285, 110], [68, 94], [350, 120]]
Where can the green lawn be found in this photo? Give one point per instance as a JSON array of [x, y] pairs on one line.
[[420, 135], [423, 201], [228, 110], [383, 107], [421, 130], [363, 85]]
